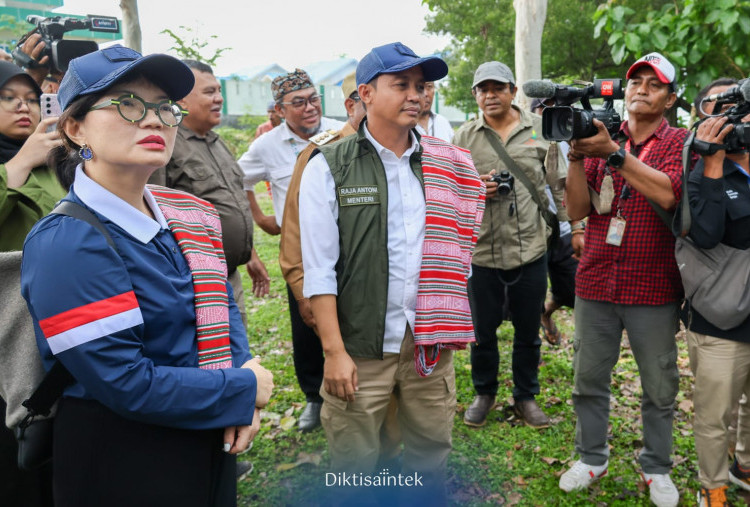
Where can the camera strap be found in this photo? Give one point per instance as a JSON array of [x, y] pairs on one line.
[[23, 60], [665, 215], [549, 218]]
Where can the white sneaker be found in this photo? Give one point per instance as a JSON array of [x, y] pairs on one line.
[[581, 476], [663, 491]]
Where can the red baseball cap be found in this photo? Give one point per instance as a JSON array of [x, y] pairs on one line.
[[663, 68]]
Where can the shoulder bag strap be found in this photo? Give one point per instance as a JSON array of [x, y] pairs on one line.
[[58, 377], [513, 167]]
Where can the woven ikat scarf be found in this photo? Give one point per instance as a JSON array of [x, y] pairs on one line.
[[454, 200], [196, 227]]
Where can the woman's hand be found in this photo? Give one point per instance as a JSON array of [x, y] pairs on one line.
[[238, 438], [264, 382], [33, 153]]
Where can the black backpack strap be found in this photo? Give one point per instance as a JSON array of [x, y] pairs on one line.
[[58, 377], [46, 394], [75, 210]]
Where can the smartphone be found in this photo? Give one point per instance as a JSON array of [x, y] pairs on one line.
[[50, 108]]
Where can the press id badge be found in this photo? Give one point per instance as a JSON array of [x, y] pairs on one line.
[[616, 231]]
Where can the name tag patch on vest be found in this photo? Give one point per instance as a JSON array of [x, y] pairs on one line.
[[355, 196]]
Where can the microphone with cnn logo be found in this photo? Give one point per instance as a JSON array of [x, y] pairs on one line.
[[562, 122]]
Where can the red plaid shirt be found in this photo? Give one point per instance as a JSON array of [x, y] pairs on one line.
[[642, 270]]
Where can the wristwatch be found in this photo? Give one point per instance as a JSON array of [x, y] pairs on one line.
[[616, 159]]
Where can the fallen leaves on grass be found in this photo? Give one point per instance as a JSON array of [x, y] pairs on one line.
[[686, 406], [287, 423], [303, 458]]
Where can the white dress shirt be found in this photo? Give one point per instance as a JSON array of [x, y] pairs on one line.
[[318, 213], [134, 222], [271, 158], [437, 126]]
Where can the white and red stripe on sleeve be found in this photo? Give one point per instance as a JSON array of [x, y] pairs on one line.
[[91, 321]]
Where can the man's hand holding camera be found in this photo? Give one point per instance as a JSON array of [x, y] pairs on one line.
[[490, 183], [714, 130], [599, 145], [34, 47]]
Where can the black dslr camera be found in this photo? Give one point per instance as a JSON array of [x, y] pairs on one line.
[[564, 122], [504, 182], [60, 51], [739, 138]]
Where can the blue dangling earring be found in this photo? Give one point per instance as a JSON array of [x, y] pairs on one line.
[[85, 152]]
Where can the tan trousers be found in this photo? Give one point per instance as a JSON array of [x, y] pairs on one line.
[[426, 408], [235, 280], [722, 374]]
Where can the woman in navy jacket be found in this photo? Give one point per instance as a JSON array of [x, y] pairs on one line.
[[165, 391]]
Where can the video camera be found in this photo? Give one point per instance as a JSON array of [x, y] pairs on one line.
[[739, 138], [60, 51], [563, 122]]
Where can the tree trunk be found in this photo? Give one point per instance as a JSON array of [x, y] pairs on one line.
[[131, 26], [530, 18]]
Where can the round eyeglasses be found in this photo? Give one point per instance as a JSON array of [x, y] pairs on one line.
[[133, 108], [301, 103], [11, 103]]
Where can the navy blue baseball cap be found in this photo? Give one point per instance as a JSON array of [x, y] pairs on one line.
[[395, 57], [97, 71]]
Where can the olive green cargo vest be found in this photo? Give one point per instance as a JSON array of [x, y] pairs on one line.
[[362, 268]]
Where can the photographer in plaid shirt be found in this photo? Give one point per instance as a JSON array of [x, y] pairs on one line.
[[628, 278]]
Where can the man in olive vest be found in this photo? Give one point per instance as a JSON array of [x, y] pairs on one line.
[[367, 234]]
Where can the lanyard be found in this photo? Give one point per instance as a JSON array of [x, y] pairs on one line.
[[625, 193]]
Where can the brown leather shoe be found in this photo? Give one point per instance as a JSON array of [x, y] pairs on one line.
[[476, 414], [532, 415]]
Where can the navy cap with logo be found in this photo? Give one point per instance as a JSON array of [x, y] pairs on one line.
[[97, 71], [395, 57]]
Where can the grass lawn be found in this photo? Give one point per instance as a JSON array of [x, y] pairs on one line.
[[501, 463]]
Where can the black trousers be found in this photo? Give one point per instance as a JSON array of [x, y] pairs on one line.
[[19, 487], [101, 458], [562, 272], [525, 289], [307, 352]]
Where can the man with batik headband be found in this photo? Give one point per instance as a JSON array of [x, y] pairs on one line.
[[271, 158], [388, 225], [290, 253]]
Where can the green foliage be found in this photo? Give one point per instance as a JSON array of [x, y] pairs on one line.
[[704, 40], [188, 45], [237, 140], [14, 27], [250, 121], [484, 30]]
